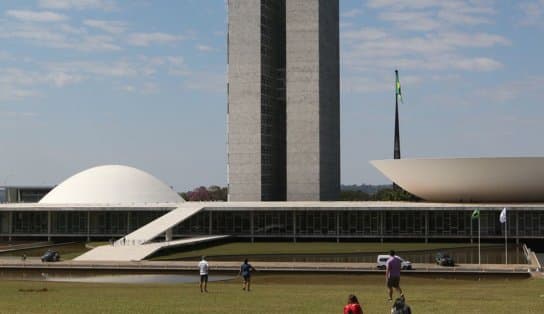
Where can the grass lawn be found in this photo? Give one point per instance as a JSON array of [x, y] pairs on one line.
[[247, 248], [277, 294]]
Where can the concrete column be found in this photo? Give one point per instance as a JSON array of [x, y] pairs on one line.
[[426, 226], [517, 227], [337, 227], [210, 222], [49, 225], [252, 225], [381, 213], [168, 235], [471, 239], [88, 226], [129, 214], [294, 227], [10, 225]]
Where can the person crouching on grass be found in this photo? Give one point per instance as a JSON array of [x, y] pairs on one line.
[[353, 306], [245, 272]]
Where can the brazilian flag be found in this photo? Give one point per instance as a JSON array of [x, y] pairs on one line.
[[398, 91], [476, 214]]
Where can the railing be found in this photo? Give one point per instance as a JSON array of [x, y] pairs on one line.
[[531, 258]]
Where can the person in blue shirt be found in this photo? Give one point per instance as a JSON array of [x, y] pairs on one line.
[[245, 272]]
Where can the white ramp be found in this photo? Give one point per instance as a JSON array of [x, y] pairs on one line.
[[160, 225], [137, 252], [136, 245]]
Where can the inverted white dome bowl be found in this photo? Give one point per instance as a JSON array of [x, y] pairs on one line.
[[502, 179]]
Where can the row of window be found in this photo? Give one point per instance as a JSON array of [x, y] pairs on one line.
[[285, 223]]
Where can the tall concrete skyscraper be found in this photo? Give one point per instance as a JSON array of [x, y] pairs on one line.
[[283, 100]]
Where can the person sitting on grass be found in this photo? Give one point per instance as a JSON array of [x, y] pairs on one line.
[[245, 272], [353, 306], [400, 306]]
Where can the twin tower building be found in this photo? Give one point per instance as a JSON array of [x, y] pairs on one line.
[[283, 100]]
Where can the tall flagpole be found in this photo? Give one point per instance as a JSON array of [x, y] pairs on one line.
[[396, 150]]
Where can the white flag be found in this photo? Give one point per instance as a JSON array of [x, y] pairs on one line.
[[502, 217]]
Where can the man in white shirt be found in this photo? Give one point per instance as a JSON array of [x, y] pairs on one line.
[[203, 266]]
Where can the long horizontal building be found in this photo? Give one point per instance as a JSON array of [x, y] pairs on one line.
[[116, 201], [289, 220]]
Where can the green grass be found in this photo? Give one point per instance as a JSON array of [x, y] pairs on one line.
[[248, 249], [277, 294]]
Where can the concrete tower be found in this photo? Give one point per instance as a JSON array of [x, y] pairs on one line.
[[283, 100]]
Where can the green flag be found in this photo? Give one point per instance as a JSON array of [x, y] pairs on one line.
[[398, 92], [476, 214]]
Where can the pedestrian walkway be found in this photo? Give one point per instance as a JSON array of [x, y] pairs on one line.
[[137, 245], [138, 252], [510, 270], [160, 225]]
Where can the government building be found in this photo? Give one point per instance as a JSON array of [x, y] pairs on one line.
[[283, 100]]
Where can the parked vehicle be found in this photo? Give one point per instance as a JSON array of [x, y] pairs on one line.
[[444, 259], [382, 260], [50, 256]]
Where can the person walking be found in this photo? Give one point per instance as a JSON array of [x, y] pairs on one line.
[[353, 306], [392, 274], [245, 272], [203, 267]]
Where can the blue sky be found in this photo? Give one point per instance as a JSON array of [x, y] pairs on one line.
[[142, 83]]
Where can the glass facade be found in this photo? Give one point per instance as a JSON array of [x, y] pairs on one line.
[[270, 223]]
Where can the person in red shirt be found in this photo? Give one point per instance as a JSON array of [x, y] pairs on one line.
[[353, 306]]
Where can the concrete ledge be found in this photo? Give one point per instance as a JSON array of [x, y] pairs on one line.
[[273, 267]]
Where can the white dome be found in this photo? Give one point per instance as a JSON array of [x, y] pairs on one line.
[[111, 184]]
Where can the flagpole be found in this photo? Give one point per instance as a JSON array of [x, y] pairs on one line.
[[505, 241], [479, 252], [396, 149]]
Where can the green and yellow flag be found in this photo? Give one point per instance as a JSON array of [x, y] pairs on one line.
[[476, 214], [398, 92]]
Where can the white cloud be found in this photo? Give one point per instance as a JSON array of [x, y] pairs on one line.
[[146, 39], [352, 13], [365, 33], [4, 56], [411, 20], [363, 85], [36, 16], [204, 48], [477, 64], [59, 36], [114, 27], [533, 13], [512, 90], [61, 79], [207, 82], [78, 4]]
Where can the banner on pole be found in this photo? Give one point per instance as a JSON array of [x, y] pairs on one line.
[[502, 217]]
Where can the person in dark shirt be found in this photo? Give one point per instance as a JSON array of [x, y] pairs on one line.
[[245, 272], [353, 306], [400, 306]]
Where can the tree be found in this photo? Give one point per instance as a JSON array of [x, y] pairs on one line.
[[212, 193]]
